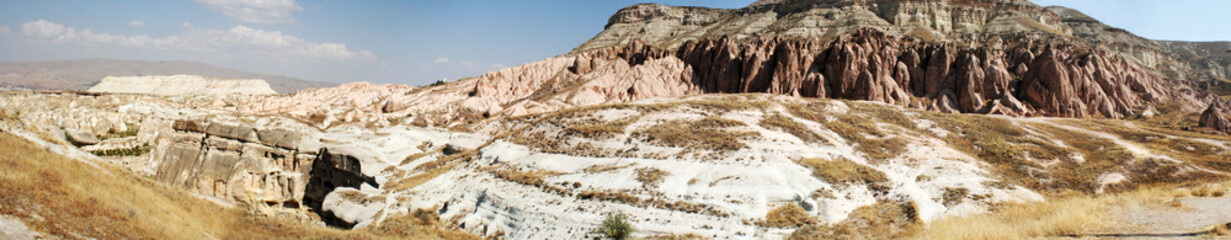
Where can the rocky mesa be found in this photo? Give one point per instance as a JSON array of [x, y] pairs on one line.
[[181, 85]]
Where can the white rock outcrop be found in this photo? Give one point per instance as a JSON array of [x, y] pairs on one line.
[[182, 85]]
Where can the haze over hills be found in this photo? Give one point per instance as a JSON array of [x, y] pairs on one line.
[[84, 73], [786, 119]]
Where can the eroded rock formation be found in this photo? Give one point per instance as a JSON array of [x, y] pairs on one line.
[[1215, 117], [1006, 57], [266, 168]]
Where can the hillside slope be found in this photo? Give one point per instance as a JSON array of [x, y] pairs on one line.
[[83, 73], [44, 194], [719, 165]]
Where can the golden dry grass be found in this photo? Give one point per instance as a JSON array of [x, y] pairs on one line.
[[859, 126], [410, 182], [844, 172], [1071, 214], [650, 177], [1222, 229], [788, 216], [602, 130], [883, 220], [708, 133], [72, 199], [779, 122]]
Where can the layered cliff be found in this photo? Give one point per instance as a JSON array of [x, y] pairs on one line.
[[997, 57]]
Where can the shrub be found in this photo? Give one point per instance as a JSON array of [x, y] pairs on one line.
[[616, 226], [133, 151]]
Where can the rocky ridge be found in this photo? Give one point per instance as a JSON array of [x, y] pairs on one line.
[[181, 85], [995, 57]]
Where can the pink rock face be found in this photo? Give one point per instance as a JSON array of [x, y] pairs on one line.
[[1214, 117], [870, 65], [1020, 77]]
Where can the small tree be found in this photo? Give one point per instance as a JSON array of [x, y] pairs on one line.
[[616, 226]]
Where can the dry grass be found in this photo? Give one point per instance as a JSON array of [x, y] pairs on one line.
[[425, 153], [779, 122], [708, 133], [650, 177], [598, 168], [420, 224], [788, 216], [627, 198], [71, 199], [1169, 142], [861, 130], [1205, 190], [410, 182], [1072, 214], [602, 130], [845, 172], [1221, 229], [883, 220]]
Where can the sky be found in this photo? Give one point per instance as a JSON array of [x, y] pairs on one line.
[[410, 42]]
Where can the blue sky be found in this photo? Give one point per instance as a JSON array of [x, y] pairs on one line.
[[411, 42]]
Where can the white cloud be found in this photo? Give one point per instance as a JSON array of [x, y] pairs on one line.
[[240, 41], [136, 24], [186, 25], [256, 11], [5, 29], [441, 60]]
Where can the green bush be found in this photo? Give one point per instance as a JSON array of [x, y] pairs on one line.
[[134, 151], [616, 226]]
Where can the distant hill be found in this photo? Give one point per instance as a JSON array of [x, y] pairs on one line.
[[83, 73]]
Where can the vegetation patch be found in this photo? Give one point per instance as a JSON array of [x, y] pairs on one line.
[[845, 172], [1071, 214], [602, 130], [860, 130], [883, 220], [779, 122], [626, 198], [598, 168], [111, 133], [788, 216], [650, 177], [954, 196], [133, 151], [615, 226], [708, 133], [1171, 143]]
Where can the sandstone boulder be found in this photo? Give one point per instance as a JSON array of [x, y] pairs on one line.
[[1214, 117], [80, 138]]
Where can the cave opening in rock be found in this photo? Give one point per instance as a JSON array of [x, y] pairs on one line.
[[331, 171]]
